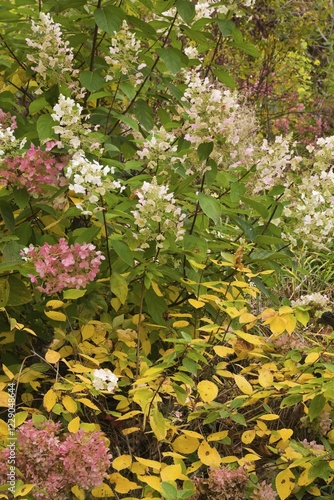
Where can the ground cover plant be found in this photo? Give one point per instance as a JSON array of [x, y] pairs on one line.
[[166, 202]]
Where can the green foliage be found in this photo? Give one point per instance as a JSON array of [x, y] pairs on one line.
[[192, 309]]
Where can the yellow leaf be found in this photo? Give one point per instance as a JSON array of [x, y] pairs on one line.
[[194, 467], [207, 390], [330, 437], [7, 372], [243, 384], [103, 491], [156, 289], [69, 404], [180, 324], [248, 436], [304, 479], [312, 358], [3, 399], [285, 434], [252, 339], [122, 484], [217, 436], [171, 472], [55, 304], [247, 318], [268, 315], [269, 416], [197, 265], [20, 417], [185, 444], [285, 483], [23, 490], [55, 315], [149, 463], [3, 430], [78, 492], [158, 424], [74, 425], [290, 322], [223, 351], [52, 356], [196, 303], [65, 351], [192, 434], [122, 462], [87, 402], [208, 456], [49, 400], [153, 481], [29, 331], [230, 459], [130, 430], [266, 378], [285, 310], [87, 331], [277, 325]]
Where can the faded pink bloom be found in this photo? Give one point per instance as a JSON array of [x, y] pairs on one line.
[[63, 266], [55, 462], [34, 170], [224, 483]]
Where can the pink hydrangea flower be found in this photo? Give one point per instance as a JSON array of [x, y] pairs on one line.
[[62, 265], [34, 170], [54, 463]]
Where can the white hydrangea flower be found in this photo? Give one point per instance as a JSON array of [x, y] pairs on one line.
[[124, 55], [104, 380], [156, 214], [52, 56], [158, 148], [72, 130], [317, 300], [90, 179]]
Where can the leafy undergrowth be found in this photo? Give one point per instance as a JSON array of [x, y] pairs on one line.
[[165, 258]]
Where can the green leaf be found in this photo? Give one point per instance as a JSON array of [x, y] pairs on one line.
[[204, 150], [4, 291], [45, 126], [210, 206], [181, 394], [291, 400], [91, 81], [226, 27], [73, 294], [21, 197], [186, 10], [7, 215], [86, 235], [119, 286], [168, 491], [239, 419], [171, 57], [10, 266], [258, 207], [123, 251], [316, 406], [19, 293], [109, 19], [224, 78], [267, 240], [37, 105], [144, 114], [156, 307], [246, 47]]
